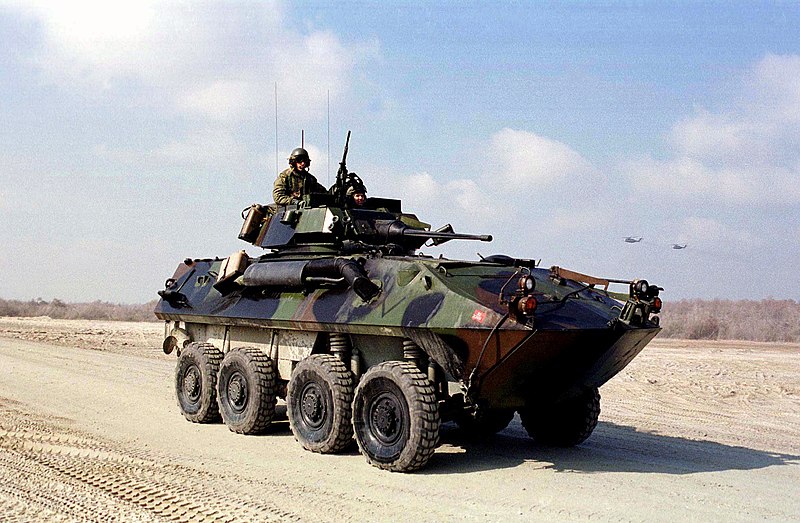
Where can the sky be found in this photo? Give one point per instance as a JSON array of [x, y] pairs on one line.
[[134, 133]]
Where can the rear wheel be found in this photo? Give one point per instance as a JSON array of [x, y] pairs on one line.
[[319, 404], [565, 423], [246, 390], [396, 417], [196, 381]]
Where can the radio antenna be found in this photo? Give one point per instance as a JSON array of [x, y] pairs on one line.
[[276, 127], [303, 138], [328, 174]]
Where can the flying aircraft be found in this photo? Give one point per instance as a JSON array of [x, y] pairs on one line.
[[632, 239], [678, 246]]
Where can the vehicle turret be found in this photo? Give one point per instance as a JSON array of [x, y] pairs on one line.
[[319, 224]]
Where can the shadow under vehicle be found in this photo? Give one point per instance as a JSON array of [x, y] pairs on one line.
[[368, 341]]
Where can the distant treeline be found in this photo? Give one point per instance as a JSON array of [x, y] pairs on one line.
[[96, 310], [750, 320], [764, 320]]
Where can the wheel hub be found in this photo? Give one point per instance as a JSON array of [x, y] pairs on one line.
[[191, 383], [237, 391], [312, 406], [385, 419]]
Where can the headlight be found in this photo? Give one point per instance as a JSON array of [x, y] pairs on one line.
[[639, 288], [526, 284]]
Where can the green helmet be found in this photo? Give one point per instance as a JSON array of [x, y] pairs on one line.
[[354, 184], [353, 189], [299, 154]]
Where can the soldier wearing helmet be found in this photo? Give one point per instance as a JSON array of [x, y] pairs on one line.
[[351, 189], [295, 182], [356, 195]]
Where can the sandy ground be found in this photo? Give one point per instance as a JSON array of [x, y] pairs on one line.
[[90, 431]]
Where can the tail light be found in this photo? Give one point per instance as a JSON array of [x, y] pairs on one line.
[[527, 306], [656, 305]]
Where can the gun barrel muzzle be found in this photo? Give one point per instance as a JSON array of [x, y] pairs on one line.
[[446, 235]]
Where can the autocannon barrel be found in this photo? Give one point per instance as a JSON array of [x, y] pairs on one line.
[[397, 231], [433, 235]]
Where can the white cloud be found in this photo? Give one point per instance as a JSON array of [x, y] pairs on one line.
[[459, 197], [524, 157], [726, 183], [89, 41], [532, 180], [744, 153], [580, 219], [421, 188], [468, 194], [774, 87], [205, 149], [194, 55], [223, 99], [708, 136]]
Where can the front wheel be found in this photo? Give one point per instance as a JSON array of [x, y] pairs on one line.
[[319, 404], [396, 417], [565, 423]]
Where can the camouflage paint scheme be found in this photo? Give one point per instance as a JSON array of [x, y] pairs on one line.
[[451, 309]]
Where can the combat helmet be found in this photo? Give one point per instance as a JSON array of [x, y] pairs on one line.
[[297, 155], [354, 184]]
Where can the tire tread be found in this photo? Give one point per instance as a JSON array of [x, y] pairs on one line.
[[342, 390], [209, 357], [423, 408], [265, 375]]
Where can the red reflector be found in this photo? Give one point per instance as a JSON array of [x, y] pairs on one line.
[[657, 304], [527, 305], [530, 304]]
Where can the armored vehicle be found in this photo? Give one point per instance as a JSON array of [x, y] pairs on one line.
[[368, 341]]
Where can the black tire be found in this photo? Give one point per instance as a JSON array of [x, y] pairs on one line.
[[396, 417], [484, 423], [563, 424], [196, 382], [319, 404], [246, 390]]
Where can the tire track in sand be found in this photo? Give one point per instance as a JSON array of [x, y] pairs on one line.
[[49, 472]]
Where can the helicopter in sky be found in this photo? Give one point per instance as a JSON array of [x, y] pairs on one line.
[[678, 246], [632, 239]]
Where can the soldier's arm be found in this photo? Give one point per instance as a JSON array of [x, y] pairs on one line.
[[282, 193]]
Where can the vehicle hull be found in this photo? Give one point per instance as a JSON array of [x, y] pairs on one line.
[[452, 311]]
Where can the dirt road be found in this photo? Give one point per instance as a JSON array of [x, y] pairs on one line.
[[90, 431]]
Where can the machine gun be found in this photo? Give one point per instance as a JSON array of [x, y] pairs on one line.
[[340, 189]]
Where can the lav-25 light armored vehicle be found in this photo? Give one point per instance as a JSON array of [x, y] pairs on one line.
[[365, 339]]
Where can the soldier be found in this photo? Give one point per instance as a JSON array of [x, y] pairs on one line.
[[356, 196], [355, 192], [295, 182]]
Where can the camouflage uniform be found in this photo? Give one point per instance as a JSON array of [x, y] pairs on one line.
[[292, 181]]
